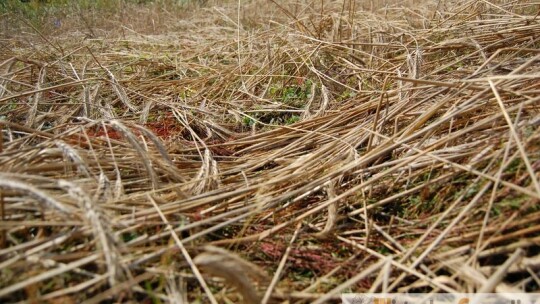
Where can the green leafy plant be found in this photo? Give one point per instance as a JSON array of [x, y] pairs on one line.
[[292, 119], [248, 121], [294, 95]]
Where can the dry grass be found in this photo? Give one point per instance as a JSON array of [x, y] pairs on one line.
[[276, 151]]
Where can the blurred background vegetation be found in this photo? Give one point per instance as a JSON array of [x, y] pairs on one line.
[[88, 16]]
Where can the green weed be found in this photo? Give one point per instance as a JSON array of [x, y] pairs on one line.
[[295, 95], [292, 119], [248, 121]]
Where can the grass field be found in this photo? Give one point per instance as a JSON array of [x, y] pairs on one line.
[[267, 151]]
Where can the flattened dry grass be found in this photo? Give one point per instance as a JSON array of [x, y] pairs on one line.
[[272, 152]]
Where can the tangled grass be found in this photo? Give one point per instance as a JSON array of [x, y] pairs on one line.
[[273, 151]]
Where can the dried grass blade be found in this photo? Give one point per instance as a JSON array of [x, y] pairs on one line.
[[186, 255]]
